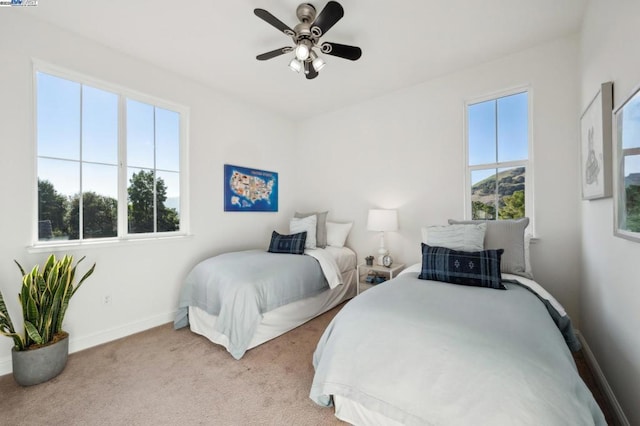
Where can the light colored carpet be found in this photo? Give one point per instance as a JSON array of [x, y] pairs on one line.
[[168, 377]]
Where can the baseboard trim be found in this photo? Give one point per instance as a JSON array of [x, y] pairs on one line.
[[602, 381], [105, 336]]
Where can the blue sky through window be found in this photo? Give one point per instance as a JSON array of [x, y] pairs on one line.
[[70, 114], [58, 117], [99, 126], [497, 132], [631, 137]]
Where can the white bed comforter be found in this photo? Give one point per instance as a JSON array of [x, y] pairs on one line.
[[239, 287], [429, 353]]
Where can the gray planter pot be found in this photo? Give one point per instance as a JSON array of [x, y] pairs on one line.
[[39, 365]]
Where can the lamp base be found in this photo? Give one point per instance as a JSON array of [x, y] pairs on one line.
[[382, 250]]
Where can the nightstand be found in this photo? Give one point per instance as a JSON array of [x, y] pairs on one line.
[[365, 269]]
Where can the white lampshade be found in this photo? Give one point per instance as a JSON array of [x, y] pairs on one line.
[[302, 51], [382, 220], [295, 65], [317, 62]]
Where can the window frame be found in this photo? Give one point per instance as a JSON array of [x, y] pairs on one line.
[[619, 192], [528, 163], [123, 94]]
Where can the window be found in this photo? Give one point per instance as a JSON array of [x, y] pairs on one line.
[[108, 163], [627, 168], [498, 165], [153, 171]]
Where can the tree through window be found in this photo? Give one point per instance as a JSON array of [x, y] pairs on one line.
[[498, 157], [89, 158]]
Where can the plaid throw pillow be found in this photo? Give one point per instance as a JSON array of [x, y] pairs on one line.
[[476, 268], [291, 244]]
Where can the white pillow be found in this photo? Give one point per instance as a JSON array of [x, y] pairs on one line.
[[527, 260], [507, 234], [302, 224], [456, 237], [337, 233], [321, 227]]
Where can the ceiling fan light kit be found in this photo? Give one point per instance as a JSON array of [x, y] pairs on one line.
[[295, 65], [317, 62], [306, 35], [302, 50]]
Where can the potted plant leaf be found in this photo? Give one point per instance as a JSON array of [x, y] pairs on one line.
[[41, 353]]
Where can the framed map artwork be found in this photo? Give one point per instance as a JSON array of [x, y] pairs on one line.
[[250, 190]]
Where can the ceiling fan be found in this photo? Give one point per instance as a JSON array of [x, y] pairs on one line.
[[306, 35]]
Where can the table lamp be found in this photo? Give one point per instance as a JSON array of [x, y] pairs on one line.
[[381, 221]]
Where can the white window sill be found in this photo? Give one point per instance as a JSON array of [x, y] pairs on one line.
[[58, 246]]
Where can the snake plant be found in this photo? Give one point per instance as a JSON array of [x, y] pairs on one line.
[[44, 297]]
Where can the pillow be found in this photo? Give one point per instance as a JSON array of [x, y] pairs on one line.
[[527, 250], [337, 233], [321, 226], [305, 224], [291, 244], [456, 237], [507, 235], [475, 268]]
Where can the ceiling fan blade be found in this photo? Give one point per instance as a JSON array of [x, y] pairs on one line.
[[270, 19], [341, 50], [309, 71], [327, 18], [274, 53]]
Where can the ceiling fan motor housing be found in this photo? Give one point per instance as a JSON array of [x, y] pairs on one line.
[[302, 30], [306, 13]]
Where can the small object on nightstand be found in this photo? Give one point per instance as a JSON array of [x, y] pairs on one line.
[[387, 261], [375, 274], [374, 278], [369, 260]]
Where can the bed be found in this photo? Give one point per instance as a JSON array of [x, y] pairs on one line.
[[242, 299], [416, 351]]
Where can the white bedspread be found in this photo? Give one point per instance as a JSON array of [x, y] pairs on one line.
[[429, 353], [531, 284], [328, 265], [239, 287]]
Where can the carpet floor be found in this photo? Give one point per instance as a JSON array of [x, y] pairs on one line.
[[167, 377]]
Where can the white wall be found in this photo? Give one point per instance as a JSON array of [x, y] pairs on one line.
[[405, 151], [610, 295], [142, 278]]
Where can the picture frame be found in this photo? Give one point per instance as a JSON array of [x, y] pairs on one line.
[[596, 137], [627, 168], [250, 190]]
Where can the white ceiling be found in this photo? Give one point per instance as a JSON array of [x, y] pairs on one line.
[[404, 42]]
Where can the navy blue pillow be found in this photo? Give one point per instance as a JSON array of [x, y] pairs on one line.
[[476, 268], [290, 244]]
